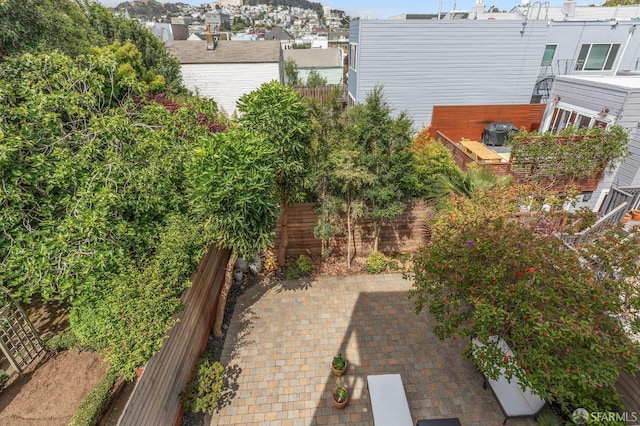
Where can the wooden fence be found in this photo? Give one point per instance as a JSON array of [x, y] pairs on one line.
[[629, 387], [155, 399], [402, 235], [322, 93], [469, 121], [463, 159]]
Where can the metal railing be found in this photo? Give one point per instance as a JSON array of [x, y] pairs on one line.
[[611, 218]]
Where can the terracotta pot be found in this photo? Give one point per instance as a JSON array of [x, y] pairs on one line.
[[626, 218], [139, 371], [342, 403], [337, 372], [635, 214]]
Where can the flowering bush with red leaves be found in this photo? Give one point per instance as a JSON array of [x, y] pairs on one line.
[[486, 273], [206, 118]]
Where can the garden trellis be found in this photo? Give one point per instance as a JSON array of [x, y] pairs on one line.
[[19, 341]]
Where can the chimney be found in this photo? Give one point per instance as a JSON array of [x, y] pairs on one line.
[[478, 8], [569, 9], [211, 41]]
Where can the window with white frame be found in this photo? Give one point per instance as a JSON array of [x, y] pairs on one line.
[[597, 57], [353, 56], [569, 116], [548, 55]]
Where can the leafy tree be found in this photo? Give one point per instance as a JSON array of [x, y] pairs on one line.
[[43, 25], [232, 186], [155, 58], [348, 181], [129, 321], [122, 66], [432, 162], [326, 119], [384, 142], [486, 272], [93, 209], [74, 27], [611, 3], [282, 116], [314, 79], [291, 74]]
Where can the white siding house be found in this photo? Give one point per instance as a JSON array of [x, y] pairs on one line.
[[327, 62], [422, 63], [587, 101], [231, 70]]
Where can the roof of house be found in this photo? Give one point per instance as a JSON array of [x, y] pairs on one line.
[[278, 33], [315, 58], [626, 82], [577, 13], [180, 31], [226, 52]]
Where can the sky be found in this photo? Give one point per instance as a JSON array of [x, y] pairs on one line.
[[382, 9]]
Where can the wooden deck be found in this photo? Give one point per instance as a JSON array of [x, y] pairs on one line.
[[464, 156], [155, 399]]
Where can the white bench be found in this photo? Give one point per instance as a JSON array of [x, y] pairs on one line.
[[388, 400], [514, 402]]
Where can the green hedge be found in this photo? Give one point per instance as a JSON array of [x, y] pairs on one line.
[[88, 413]]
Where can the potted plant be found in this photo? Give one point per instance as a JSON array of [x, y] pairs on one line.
[[340, 396], [339, 365]]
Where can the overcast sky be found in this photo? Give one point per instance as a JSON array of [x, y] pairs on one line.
[[382, 9]]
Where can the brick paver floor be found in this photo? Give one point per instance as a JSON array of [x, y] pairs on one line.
[[283, 337]]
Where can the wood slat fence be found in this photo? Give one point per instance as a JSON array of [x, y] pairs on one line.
[[402, 235], [155, 399], [322, 93], [469, 121], [629, 387]]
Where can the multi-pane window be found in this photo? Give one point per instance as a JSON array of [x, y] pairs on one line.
[[597, 57], [549, 53], [353, 56], [564, 117]]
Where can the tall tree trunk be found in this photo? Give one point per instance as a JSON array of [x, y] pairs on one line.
[[325, 217], [284, 236], [349, 233], [376, 235], [284, 232], [222, 301]]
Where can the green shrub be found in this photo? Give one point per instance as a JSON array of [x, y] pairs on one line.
[[203, 393], [4, 378], [399, 261], [89, 412], [548, 418], [61, 341], [302, 267], [376, 263]]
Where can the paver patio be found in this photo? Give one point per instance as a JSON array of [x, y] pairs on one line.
[[283, 337]]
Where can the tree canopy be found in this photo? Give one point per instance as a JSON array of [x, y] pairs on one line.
[[487, 272]]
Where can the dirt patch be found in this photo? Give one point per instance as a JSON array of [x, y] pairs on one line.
[[51, 389]]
